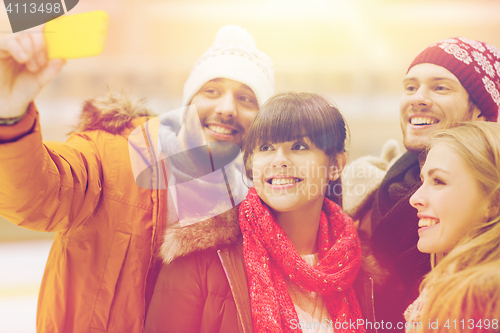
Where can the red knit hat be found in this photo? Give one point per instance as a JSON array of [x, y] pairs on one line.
[[475, 64]]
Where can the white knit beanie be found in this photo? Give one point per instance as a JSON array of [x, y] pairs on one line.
[[233, 56]]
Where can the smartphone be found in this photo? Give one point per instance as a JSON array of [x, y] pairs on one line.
[[76, 36]]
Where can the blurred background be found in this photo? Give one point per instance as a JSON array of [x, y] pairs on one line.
[[356, 52]]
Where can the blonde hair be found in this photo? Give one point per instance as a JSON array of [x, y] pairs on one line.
[[465, 285]]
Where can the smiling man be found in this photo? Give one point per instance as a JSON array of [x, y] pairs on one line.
[[450, 81], [103, 265], [226, 87], [433, 99]]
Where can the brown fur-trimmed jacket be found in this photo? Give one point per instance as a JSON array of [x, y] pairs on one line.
[[103, 264], [202, 287]]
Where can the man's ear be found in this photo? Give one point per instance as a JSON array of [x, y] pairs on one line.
[[339, 162], [476, 113]]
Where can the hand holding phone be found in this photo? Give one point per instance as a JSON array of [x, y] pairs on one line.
[[76, 36], [24, 69]]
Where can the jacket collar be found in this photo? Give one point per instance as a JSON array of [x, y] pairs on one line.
[[112, 112], [119, 114], [402, 165], [212, 233]]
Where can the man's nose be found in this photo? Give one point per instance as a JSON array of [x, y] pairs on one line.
[[421, 99], [226, 106]]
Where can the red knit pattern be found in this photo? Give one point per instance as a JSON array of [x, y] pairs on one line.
[[269, 255]]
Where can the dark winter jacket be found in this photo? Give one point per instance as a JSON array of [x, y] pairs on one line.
[[394, 241]]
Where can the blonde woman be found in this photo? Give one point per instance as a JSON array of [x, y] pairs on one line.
[[458, 206]]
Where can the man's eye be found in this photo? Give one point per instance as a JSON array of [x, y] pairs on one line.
[[442, 88], [211, 91], [410, 88], [247, 99]]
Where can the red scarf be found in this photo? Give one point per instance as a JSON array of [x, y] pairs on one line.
[[269, 256]]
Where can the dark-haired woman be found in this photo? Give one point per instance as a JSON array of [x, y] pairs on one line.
[[286, 259]]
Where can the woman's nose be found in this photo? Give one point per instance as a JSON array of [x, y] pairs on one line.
[[418, 200], [281, 159]]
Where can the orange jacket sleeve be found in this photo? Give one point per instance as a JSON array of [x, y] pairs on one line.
[[23, 127], [47, 186]]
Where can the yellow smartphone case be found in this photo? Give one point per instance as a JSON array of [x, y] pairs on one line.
[[76, 36]]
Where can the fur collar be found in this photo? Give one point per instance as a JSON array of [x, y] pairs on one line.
[[215, 232], [111, 112]]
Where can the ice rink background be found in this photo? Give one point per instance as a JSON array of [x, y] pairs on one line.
[[21, 267]]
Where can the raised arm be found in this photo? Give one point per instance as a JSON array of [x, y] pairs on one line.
[[24, 69], [46, 187]]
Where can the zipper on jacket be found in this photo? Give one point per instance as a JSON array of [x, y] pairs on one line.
[[373, 302]]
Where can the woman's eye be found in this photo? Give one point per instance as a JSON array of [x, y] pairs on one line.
[[265, 147], [438, 181], [410, 88], [299, 146]]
